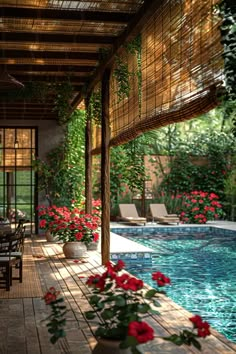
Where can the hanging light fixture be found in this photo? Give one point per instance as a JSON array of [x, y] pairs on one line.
[[9, 82]]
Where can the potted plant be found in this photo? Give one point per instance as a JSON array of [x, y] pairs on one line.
[[120, 305], [47, 216], [77, 230]]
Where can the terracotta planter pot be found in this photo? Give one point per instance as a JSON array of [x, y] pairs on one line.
[[107, 346], [75, 250]]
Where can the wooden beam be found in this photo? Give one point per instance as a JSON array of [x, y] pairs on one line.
[[55, 76], [36, 67], [29, 105], [88, 162], [46, 61], [53, 38], [39, 54], [105, 168], [64, 15]]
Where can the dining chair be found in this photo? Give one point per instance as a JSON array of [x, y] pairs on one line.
[[11, 255]]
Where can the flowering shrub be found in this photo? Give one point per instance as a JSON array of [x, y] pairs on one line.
[[71, 224], [121, 301], [76, 226], [96, 205], [49, 214], [199, 207]]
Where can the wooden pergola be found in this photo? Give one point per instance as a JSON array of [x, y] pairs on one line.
[[49, 41]]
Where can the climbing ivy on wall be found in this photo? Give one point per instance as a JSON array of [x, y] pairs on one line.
[[61, 175]]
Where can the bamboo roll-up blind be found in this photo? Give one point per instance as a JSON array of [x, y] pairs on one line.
[[94, 113], [124, 112], [181, 70], [181, 59], [96, 138]]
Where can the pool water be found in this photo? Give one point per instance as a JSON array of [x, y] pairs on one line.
[[202, 269]]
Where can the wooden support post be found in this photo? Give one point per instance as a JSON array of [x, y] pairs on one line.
[[105, 169], [88, 162]]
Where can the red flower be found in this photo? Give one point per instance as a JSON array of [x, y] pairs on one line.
[[213, 196], [203, 194], [196, 320], [195, 209], [160, 278], [141, 331], [204, 330], [96, 281], [51, 295], [79, 236], [42, 223], [119, 266], [128, 283], [203, 327], [95, 236]]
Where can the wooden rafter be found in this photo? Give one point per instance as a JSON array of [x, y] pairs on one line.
[[41, 43], [64, 15]]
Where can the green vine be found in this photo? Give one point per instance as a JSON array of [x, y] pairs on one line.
[[227, 11], [95, 108], [122, 76], [61, 175], [64, 93], [122, 73], [135, 47]]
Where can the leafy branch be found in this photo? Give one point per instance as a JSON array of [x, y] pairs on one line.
[[227, 11], [64, 93], [95, 108]]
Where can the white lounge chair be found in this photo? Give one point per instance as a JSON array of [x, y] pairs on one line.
[[128, 213], [160, 214]]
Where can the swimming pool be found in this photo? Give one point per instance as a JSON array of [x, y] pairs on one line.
[[202, 268]]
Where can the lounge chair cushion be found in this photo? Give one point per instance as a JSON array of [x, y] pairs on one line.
[[128, 212], [160, 214]]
